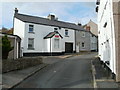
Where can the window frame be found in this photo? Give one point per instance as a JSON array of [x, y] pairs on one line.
[[83, 34], [66, 31], [30, 48], [83, 43], [56, 46], [31, 27]]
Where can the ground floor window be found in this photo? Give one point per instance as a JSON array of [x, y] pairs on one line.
[[83, 44], [30, 43], [56, 43]]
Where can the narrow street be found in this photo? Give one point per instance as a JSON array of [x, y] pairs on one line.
[[73, 72]]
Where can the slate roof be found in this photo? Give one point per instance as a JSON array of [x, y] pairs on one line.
[[51, 34], [45, 21]]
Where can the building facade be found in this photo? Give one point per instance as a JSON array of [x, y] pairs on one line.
[[108, 34], [49, 36], [86, 41], [44, 35], [92, 27]]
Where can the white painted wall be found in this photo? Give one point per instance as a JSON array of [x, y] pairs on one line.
[[106, 34], [19, 29], [40, 31]]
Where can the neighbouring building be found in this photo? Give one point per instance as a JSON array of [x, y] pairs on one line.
[[86, 41], [45, 36], [108, 34], [92, 27], [16, 44]]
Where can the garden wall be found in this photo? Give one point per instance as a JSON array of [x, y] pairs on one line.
[[21, 63]]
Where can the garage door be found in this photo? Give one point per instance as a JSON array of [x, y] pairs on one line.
[[68, 47]]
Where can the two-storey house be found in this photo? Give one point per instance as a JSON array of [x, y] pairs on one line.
[[109, 35], [45, 36]]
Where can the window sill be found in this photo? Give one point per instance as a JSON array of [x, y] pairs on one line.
[[31, 49], [32, 32]]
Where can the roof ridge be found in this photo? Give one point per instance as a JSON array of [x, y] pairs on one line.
[[47, 19]]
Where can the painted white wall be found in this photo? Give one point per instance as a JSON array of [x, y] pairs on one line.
[[40, 31], [19, 29], [106, 34]]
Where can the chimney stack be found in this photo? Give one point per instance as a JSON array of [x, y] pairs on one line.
[[88, 28], [16, 10], [52, 17], [79, 24]]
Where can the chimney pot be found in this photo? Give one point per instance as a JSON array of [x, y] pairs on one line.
[[16, 10], [51, 17]]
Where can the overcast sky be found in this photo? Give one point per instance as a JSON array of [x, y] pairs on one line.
[[73, 12]]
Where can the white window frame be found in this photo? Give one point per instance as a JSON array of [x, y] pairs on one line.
[[82, 44], [31, 27], [66, 31], [30, 48], [83, 34], [56, 44]]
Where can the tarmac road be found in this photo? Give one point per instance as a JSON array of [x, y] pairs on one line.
[[73, 72]]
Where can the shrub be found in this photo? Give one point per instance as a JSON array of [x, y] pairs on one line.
[[6, 47]]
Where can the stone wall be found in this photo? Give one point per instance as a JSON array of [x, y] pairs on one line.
[[21, 63]]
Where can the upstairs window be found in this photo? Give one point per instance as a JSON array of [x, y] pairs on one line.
[[105, 25], [83, 34], [31, 27], [66, 32], [55, 29], [31, 43]]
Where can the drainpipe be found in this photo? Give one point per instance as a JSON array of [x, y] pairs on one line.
[[50, 47], [14, 52], [75, 41]]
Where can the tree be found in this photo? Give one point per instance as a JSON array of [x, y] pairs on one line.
[[6, 47]]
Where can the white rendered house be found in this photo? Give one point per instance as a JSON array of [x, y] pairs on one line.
[[108, 34], [41, 36]]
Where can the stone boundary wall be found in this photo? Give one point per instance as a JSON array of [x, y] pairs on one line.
[[21, 63]]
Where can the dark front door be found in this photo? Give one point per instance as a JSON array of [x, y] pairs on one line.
[[68, 47]]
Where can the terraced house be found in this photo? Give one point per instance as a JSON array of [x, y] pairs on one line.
[[108, 34], [45, 36]]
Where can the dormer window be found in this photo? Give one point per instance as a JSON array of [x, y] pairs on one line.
[[31, 28]]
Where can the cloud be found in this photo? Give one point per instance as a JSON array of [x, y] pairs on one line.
[[67, 11]]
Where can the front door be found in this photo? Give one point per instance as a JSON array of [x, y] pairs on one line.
[[68, 47]]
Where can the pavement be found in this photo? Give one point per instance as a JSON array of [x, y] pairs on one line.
[[102, 78]]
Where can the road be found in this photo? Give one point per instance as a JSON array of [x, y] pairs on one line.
[[73, 72]]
